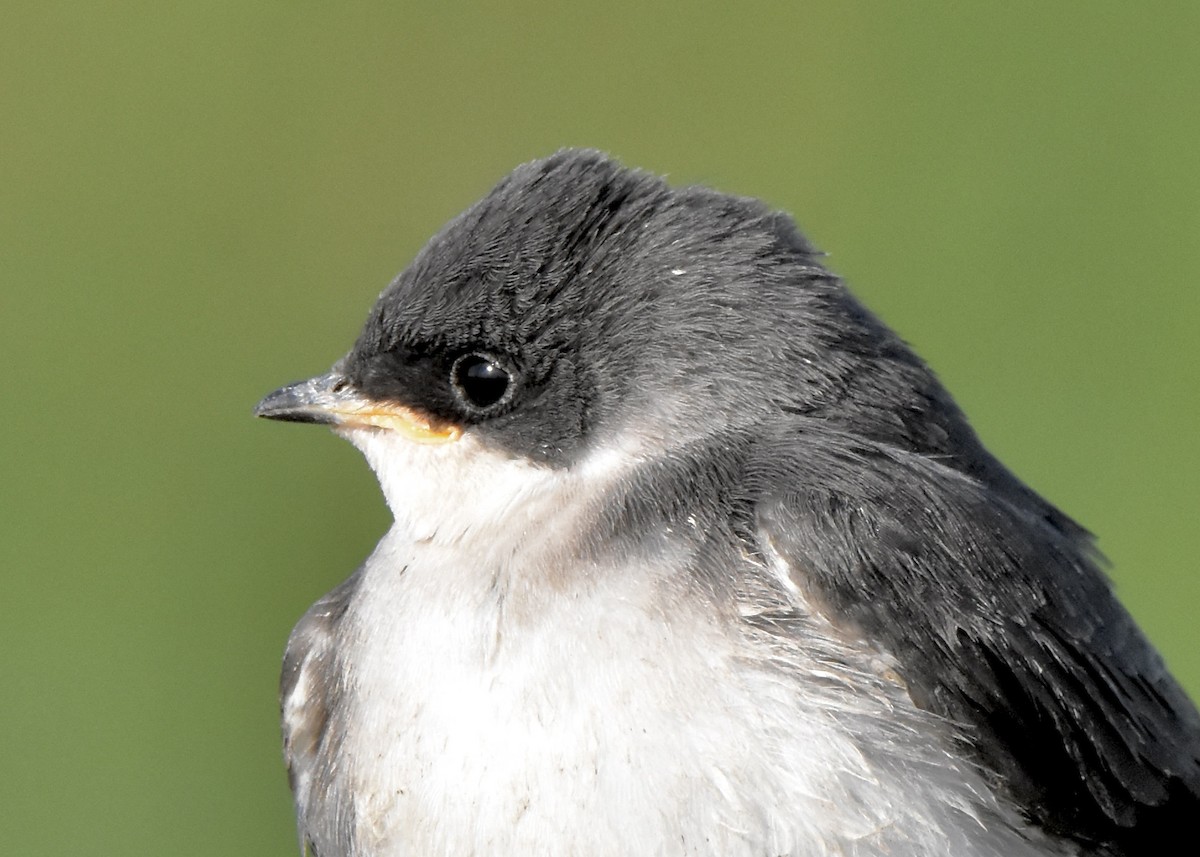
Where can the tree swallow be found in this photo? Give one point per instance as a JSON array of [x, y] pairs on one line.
[[692, 555]]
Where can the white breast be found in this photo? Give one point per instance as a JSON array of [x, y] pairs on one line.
[[503, 704]]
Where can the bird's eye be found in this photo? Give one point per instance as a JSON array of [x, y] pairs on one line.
[[480, 381]]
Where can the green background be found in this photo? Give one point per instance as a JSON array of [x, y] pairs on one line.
[[200, 201]]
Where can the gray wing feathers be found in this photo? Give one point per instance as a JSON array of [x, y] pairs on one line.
[[1001, 621], [308, 691]]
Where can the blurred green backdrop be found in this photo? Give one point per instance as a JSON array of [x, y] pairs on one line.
[[200, 201]]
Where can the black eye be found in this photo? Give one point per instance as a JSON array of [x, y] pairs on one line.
[[479, 380]]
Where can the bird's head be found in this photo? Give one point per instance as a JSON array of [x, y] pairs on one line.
[[583, 317]]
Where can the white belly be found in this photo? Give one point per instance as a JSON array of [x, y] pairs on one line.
[[601, 721]]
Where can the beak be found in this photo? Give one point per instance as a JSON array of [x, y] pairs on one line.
[[332, 400]]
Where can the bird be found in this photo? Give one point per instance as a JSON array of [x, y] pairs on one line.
[[691, 554]]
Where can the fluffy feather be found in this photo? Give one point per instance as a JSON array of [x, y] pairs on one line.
[[726, 572]]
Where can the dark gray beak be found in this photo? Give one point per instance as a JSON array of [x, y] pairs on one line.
[[317, 400]]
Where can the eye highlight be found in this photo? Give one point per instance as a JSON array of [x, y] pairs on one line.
[[480, 381]]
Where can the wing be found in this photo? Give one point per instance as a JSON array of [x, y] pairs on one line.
[[1001, 621], [308, 692]]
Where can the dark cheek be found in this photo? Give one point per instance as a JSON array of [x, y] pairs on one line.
[[547, 431]]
